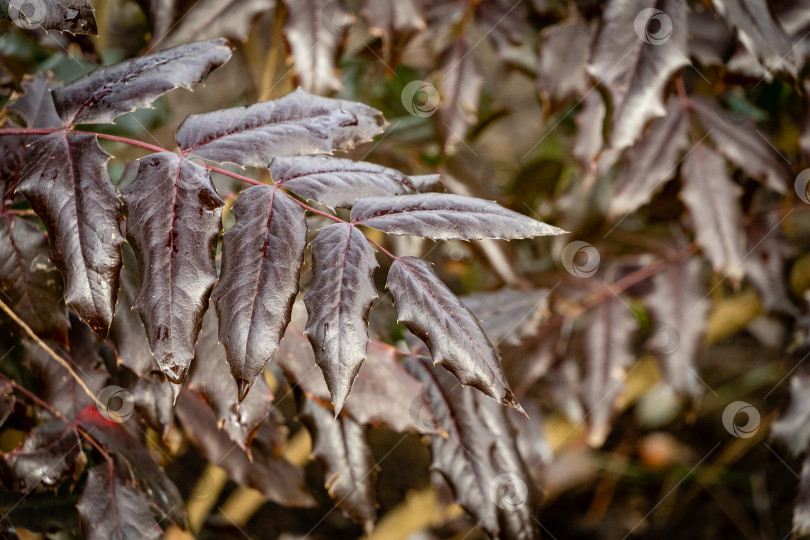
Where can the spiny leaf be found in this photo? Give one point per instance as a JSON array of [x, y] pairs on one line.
[[590, 121], [564, 52], [743, 145], [314, 44], [74, 16], [173, 221], [473, 447], [267, 471], [296, 124], [607, 343], [713, 200], [153, 399], [509, 315], [635, 68], [261, 263], [207, 19], [103, 94], [460, 90], [652, 161], [510, 32], [338, 182], [111, 508], [49, 454], [452, 333], [338, 302], [767, 254], [66, 182], [35, 109], [30, 284], [760, 33], [340, 444], [210, 377], [394, 21], [445, 217], [381, 394], [679, 304]]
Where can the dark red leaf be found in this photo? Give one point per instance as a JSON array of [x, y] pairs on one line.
[[134, 463]]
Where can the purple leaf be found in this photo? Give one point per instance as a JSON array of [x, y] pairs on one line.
[[445, 217], [296, 124], [340, 444], [31, 286], [338, 183], [713, 200], [564, 52], [381, 394], [460, 91], [267, 471], [111, 508], [743, 145], [35, 109], [652, 161], [473, 447], [679, 304], [103, 94], [509, 315], [127, 331], [210, 377], [635, 67], [50, 453], [261, 263], [66, 182], [760, 33], [314, 42], [338, 303], [451, 331], [134, 462], [608, 339], [56, 386], [173, 221]]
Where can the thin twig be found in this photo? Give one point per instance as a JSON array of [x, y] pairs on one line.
[[47, 349]]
